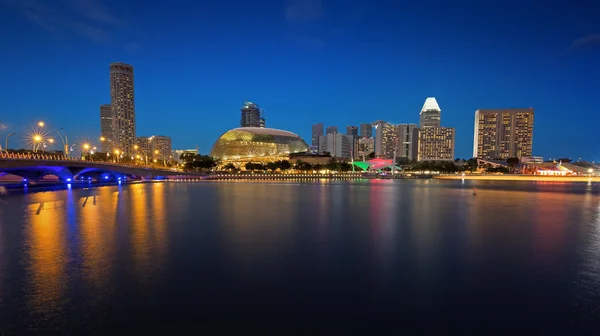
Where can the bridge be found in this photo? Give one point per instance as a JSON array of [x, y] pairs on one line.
[[37, 167]]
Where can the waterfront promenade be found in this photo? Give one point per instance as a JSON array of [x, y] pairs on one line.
[[511, 177]]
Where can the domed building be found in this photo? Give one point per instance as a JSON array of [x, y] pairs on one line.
[[249, 144]]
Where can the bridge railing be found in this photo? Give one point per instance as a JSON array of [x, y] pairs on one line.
[[63, 158]]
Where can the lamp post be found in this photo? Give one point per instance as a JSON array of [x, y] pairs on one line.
[[63, 138], [6, 143], [37, 140], [86, 148]]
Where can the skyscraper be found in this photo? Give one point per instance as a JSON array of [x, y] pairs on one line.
[[106, 128], [407, 141], [436, 144], [122, 106], [250, 115], [389, 140], [317, 131], [337, 144], [331, 129], [352, 130], [503, 133], [262, 123], [430, 113], [379, 125], [366, 130]]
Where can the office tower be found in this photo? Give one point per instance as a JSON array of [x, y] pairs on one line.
[[407, 141], [366, 146], [378, 125], [352, 130], [122, 106], [366, 130], [317, 131], [430, 113], [337, 144], [503, 133], [331, 129], [161, 148], [389, 140], [262, 123], [250, 115], [106, 128], [436, 144]]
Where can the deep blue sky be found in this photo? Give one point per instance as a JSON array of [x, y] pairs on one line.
[[341, 62]]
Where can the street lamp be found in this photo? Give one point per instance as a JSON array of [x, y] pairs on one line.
[[7, 137], [41, 124], [37, 139], [64, 140], [117, 152]]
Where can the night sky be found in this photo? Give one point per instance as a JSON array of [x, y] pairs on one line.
[[340, 62]]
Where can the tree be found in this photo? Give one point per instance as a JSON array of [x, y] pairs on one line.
[[272, 166], [472, 163], [285, 165], [230, 166]]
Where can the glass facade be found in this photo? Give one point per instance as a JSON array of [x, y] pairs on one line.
[[247, 143]]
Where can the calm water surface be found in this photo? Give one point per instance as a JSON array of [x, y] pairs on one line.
[[369, 256]]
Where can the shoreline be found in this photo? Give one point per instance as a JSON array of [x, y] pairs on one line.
[[524, 178]]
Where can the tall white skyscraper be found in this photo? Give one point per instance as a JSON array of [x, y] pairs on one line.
[[430, 113], [123, 107]]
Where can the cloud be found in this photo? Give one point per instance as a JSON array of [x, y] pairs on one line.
[[3, 127], [304, 10], [90, 19], [311, 42], [133, 46], [583, 43], [586, 41]]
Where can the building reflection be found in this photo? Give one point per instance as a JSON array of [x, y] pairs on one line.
[[385, 199], [255, 222], [98, 233], [140, 226], [551, 224], [159, 221], [46, 249]]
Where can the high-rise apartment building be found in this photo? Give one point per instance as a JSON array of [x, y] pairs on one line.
[[407, 141], [250, 115], [339, 145], [144, 147], [430, 113], [161, 147], [331, 129], [436, 144], [352, 130], [106, 128], [122, 106], [503, 133], [366, 130], [317, 131]]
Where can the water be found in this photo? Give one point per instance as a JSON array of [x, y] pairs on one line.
[[336, 256]]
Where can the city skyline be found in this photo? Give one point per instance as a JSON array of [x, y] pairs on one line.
[[551, 75]]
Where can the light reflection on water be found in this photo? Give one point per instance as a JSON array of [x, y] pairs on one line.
[[409, 252]]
